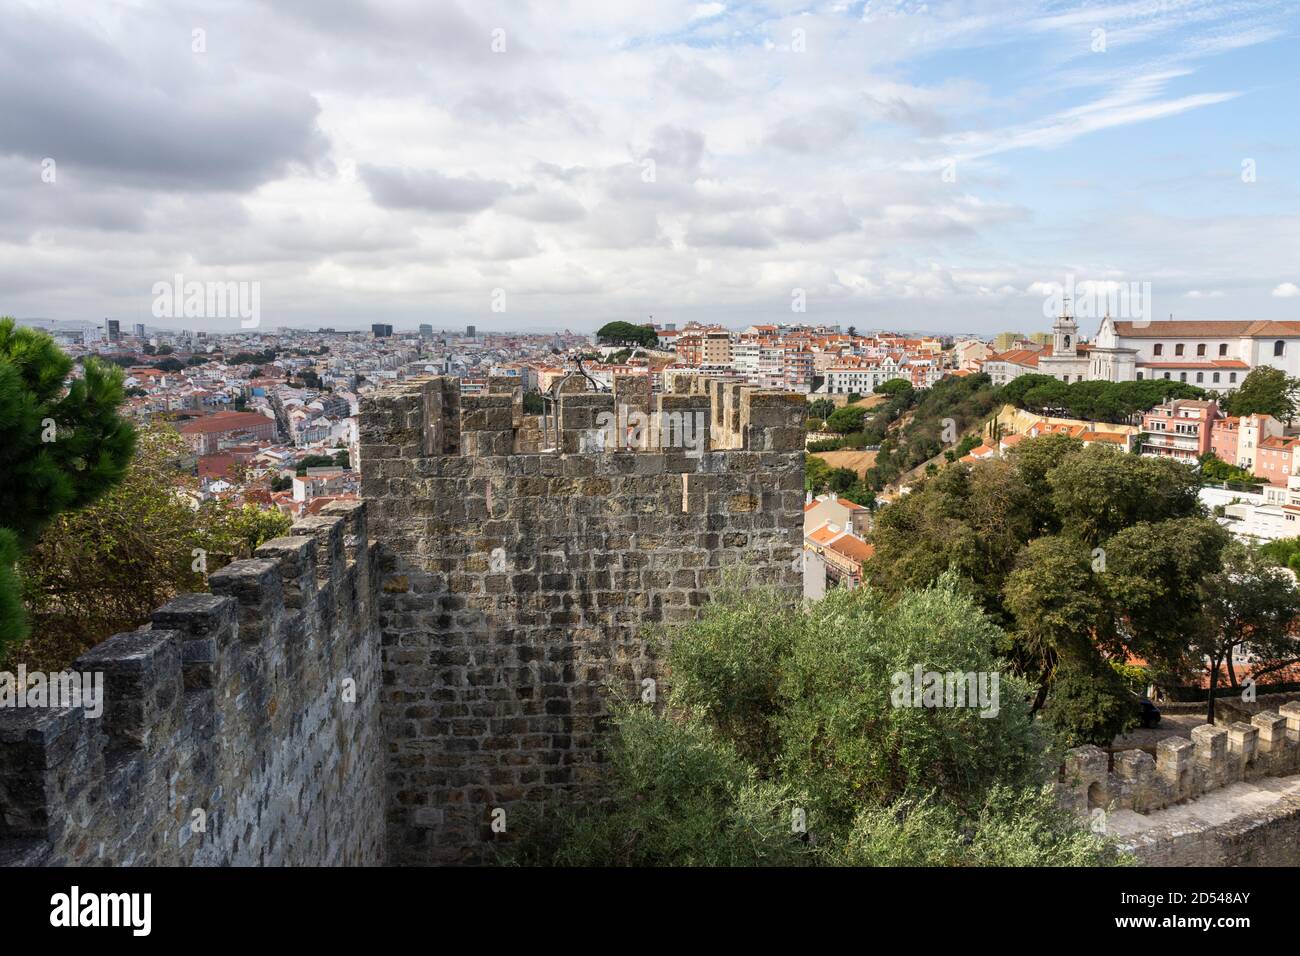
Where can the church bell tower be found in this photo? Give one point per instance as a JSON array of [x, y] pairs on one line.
[[1065, 335]]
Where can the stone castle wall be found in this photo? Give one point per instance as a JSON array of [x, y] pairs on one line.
[[1183, 769], [1228, 796], [255, 705], [520, 575]]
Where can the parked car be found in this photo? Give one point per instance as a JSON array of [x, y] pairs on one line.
[[1150, 713]]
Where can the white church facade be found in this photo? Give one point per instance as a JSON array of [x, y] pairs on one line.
[[1213, 355]]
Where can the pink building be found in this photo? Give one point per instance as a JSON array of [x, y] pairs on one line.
[[1238, 440], [1182, 429], [1225, 438], [1274, 459]]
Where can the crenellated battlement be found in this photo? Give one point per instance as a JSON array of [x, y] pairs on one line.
[[429, 418], [238, 727], [1184, 769]]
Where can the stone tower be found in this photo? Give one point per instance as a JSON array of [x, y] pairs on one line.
[[1065, 335], [519, 580]]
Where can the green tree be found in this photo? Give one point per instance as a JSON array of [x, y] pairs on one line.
[[781, 714], [678, 795], [1084, 555], [104, 568], [626, 333], [816, 472], [1265, 391], [1115, 402], [1252, 607], [1097, 492], [952, 402], [313, 461], [841, 480], [61, 446], [846, 419], [1214, 468], [1057, 603], [849, 743], [1013, 828], [895, 386], [821, 408]]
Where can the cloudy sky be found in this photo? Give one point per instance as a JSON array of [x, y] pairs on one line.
[[907, 165]]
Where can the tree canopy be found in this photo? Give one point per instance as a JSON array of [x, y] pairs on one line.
[[1114, 402], [104, 568], [783, 741], [1252, 607], [627, 333], [1084, 555], [1265, 391], [62, 445]]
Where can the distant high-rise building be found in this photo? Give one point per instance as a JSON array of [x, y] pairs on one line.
[[426, 331], [470, 332], [139, 330], [381, 331], [1005, 340], [114, 330]]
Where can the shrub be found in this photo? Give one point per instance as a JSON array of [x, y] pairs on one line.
[[678, 796]]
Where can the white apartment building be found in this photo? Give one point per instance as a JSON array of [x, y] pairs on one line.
[[745, 356], [862, 378]]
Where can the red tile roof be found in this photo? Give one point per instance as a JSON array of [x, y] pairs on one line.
[[1254, 328], [225, 421], [852, 547]]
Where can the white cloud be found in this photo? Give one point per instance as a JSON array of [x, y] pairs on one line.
[[401, 169], [1287, 290]]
